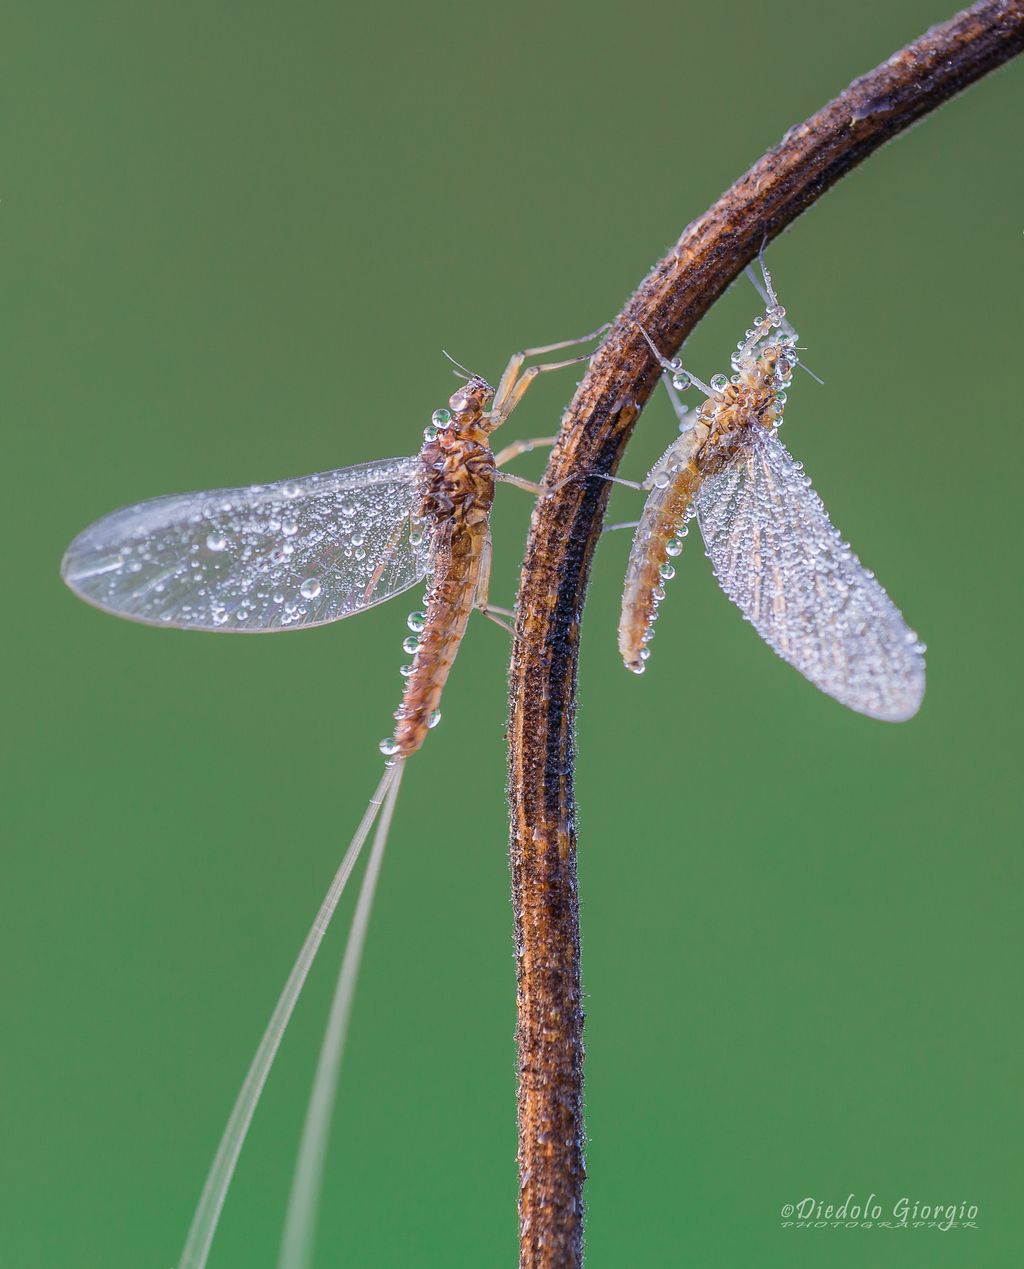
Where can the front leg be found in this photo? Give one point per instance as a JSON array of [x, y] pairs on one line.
[[513, 384]]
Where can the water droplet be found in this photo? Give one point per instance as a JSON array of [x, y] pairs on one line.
[[430, 432], [645, 654], [388, 746], [220, 617], [310, 588], [278, 597], [416, 621], [406, 670], [673, 547], [289, 528], [415, 538], [347, 508], [291, 490], [718, 382], [667, 572], [216, 542], [441, 418], [638, 668], [435, 718], [775, 314], [411, 645], [681, 381], [661, 480]]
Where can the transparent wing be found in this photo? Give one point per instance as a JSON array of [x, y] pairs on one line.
[[268, 557], [778, 557]]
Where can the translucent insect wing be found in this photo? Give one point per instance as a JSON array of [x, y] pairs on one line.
[[267, 557], [778, 557]]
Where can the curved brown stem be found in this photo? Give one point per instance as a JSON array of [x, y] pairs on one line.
[[595, 429]]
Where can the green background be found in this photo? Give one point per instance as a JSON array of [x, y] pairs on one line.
[[234, 240]]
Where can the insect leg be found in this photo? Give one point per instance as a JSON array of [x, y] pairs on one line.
[[642, 485], [565, 343], [483, 586], [506, 455], [514, 393], [531, 486], [677, 404], [511, 386], [674, 367], [766, 290]]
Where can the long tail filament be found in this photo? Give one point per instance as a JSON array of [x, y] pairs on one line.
[[300, 1219], [207, 1214]]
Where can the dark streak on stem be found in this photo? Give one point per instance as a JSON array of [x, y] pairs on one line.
[[595, 429]]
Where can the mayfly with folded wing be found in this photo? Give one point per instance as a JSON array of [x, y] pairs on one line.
[[774, 550]]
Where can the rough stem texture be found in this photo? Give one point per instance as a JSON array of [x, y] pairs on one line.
[[595, 429]]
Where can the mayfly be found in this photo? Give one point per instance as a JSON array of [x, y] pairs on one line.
[[774, 550], [302, 553]]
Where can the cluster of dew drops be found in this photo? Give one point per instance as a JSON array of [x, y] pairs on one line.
[[440, 420], [666, 571], [294, 605], [754, 341]]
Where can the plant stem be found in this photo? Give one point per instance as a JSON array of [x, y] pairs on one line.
[[669, 303]]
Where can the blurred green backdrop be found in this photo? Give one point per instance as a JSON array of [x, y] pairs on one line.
[[234, 240]]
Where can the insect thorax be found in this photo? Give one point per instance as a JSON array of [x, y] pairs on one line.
[[458, 479], [458, 472], [754, 397]]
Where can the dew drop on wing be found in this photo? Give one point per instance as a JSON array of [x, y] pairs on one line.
[[227, 559], [778, 557]]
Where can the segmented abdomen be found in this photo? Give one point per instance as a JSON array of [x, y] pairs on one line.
[[450, 600], [663, 520]]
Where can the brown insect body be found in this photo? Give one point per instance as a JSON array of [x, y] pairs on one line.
[[702, 449], [458, 490]]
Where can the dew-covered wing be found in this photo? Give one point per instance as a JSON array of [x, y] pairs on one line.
[[267, 557], [778, 557]]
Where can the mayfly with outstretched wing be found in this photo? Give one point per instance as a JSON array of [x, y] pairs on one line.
[[300, 553], [774, 550]]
